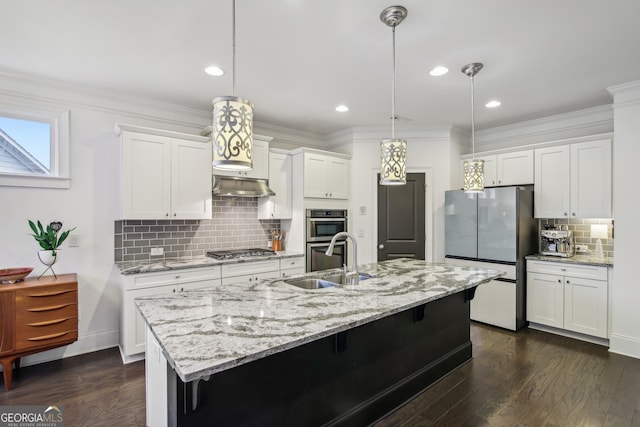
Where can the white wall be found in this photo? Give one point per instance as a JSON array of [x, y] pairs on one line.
[[428, 149], [90, 204], [625, 328]]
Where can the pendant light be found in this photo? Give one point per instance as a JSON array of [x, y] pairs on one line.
[[232, 132], [473, 169], [393, 152]]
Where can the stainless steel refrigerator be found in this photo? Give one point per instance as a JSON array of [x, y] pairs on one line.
[[494, 229]]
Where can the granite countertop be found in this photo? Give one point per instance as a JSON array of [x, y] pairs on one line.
[[135, 267], [207, 331], [576, 259]]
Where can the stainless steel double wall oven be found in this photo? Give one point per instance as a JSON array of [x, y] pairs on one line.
[[322, 225]]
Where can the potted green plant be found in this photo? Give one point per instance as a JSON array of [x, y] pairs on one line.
[[49, 241]]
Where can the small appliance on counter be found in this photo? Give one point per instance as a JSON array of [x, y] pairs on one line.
[[557, 242]]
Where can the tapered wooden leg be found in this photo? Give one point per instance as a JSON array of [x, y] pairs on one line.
[[7, 371]]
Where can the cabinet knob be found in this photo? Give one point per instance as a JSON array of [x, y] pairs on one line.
[[167, 215], [559, 281], [574, 214], [499, 182], [493, 182], [173, 290], [178, 276], [563, 269], [174, 214], [565, 214], [568, 282], [380, 246], [181, 289]]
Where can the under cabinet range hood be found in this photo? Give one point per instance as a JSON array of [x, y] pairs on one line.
[[240, 187]]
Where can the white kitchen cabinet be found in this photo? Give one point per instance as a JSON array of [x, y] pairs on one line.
[[280, 181], [132, 325], [260, 154], [326, 176], [568, 296], [508, 168], [165, 175], [573, 181], [291, 266], [250, 271]]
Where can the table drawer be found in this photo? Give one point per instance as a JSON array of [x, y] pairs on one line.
[[42, 297], [47, 312], [36, 334]]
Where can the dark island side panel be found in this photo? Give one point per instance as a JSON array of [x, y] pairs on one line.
[[351, 378]]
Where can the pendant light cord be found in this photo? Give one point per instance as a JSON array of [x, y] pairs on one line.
[[393, 86], [233, 66], [473, 126]]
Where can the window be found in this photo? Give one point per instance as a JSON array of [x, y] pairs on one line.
[[33, 145]]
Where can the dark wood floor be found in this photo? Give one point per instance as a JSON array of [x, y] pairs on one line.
[[529, 378]]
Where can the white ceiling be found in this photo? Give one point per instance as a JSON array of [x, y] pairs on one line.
[[298, 59]]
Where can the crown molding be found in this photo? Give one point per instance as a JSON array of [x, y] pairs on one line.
[[590, 121], [625, 94]]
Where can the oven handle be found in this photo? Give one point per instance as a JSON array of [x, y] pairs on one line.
[[327, 219], [326, 244]]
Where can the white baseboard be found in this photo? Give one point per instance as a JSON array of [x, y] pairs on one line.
[[569, 334], [85, 344], [627, 346]]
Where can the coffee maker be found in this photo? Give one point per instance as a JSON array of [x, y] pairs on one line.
[[557, 242]]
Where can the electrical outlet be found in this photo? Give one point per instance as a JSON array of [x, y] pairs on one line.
[[582, 248], [157, 251], [363, 210]]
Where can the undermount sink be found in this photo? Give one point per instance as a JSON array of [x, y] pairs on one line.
[[324, 282]]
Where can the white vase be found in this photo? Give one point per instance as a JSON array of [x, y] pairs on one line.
[[47, 257]]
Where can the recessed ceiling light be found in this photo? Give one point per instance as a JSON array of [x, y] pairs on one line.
[[214, 70], [493, 104], [342, 108], [439, 71]]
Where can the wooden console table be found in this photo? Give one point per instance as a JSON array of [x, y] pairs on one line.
[[37, 315]]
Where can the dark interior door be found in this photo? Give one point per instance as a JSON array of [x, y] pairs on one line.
[[401, 226]]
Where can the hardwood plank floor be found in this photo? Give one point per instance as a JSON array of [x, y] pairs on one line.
[[529, 378]]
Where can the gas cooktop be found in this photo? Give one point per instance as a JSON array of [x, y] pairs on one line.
[[240, 253]]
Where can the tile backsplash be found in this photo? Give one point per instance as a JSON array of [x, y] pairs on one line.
[[234, 226], [582, 232]]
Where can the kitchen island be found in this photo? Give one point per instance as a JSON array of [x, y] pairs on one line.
[[269, 353]]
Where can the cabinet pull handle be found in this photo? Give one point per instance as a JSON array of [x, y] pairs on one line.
[[52, 293], [48, 337], [563, 269], [49, 322], [167, 214], [559, 281], [574, 214], [49, 308], [173, 290], [177, 276]]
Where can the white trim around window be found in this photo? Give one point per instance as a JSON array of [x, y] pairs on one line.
[[58, 120]]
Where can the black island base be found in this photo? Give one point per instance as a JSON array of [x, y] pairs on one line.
[[352, 378]]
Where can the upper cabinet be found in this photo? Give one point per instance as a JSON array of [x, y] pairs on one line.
[[573, 181], [260, 154], [278, 206], [165, 175], [326, 176], [508, 168]]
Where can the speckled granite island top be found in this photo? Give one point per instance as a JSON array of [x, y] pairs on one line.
[[207, 331]]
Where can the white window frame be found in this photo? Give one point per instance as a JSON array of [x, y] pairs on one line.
[[58, 120]]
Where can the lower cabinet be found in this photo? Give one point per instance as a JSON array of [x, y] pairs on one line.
[[250, 272], [568, 296], [132, 325], [291, 266]]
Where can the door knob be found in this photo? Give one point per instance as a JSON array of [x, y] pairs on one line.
[[380, 246]]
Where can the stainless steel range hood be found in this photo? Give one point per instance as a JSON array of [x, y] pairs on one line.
[[242, 187]]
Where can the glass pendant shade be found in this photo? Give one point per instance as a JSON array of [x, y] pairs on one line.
[[393, 160], [473, 176], [232, 134]]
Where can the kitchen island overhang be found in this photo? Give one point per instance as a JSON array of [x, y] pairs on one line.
[[369, 345]]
